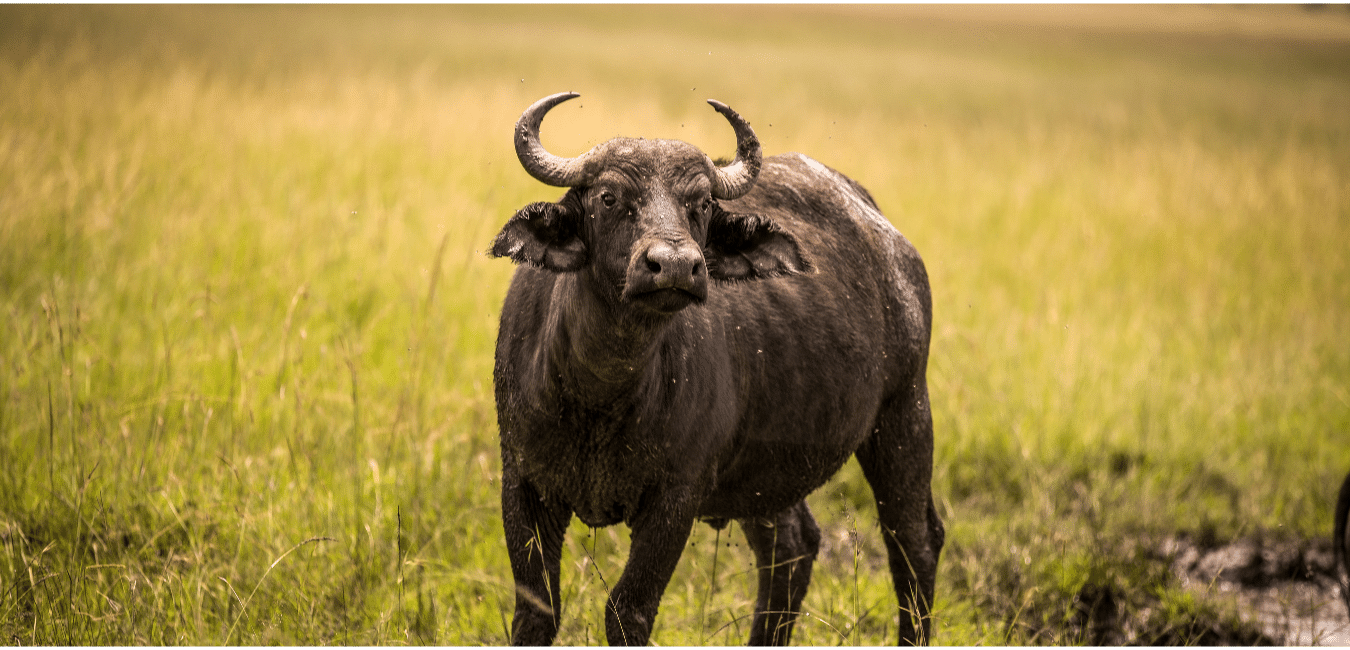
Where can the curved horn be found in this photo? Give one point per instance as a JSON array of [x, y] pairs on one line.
[[734, 180], [544, 166]]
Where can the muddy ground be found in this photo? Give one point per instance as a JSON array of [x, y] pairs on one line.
[[1288, 588]]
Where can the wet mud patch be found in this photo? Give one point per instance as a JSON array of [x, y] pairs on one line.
[[1287, 587]]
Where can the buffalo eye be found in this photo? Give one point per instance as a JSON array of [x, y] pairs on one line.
[[707, 204], [608, 199]]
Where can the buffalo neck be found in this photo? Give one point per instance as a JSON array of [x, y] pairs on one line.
[[600, 349]]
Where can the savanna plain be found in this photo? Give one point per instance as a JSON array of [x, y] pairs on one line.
[[248, 322]]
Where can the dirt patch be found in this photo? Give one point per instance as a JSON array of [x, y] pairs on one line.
[[1289, 588]]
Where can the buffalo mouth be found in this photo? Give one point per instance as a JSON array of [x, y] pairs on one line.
[[668, 300]]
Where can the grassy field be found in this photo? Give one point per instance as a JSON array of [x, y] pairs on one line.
[[246, 350]]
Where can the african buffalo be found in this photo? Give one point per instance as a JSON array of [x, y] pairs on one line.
[[686, 341]]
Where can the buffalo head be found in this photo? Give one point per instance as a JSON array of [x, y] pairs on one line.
[[644, 218]]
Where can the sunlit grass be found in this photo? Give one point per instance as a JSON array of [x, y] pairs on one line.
[[248, 325]]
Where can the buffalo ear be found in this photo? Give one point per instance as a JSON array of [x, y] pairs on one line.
[[544, 235], [749, 247]]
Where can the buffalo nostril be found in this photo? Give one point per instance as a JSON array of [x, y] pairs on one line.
[[698, 268], [653, 266]]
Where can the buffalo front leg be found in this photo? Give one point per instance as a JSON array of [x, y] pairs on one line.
[[534, 537], [898, 463], [1341, 541], [785, 548], [658, 538]]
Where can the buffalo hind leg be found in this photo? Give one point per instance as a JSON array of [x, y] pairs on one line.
[[785, 548], [898, 463]]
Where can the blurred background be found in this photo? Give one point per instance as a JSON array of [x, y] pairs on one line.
[[248, 320]]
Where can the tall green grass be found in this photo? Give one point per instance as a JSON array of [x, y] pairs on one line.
[[248, 325]]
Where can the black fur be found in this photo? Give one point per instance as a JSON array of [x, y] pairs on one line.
[[736, 406]]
